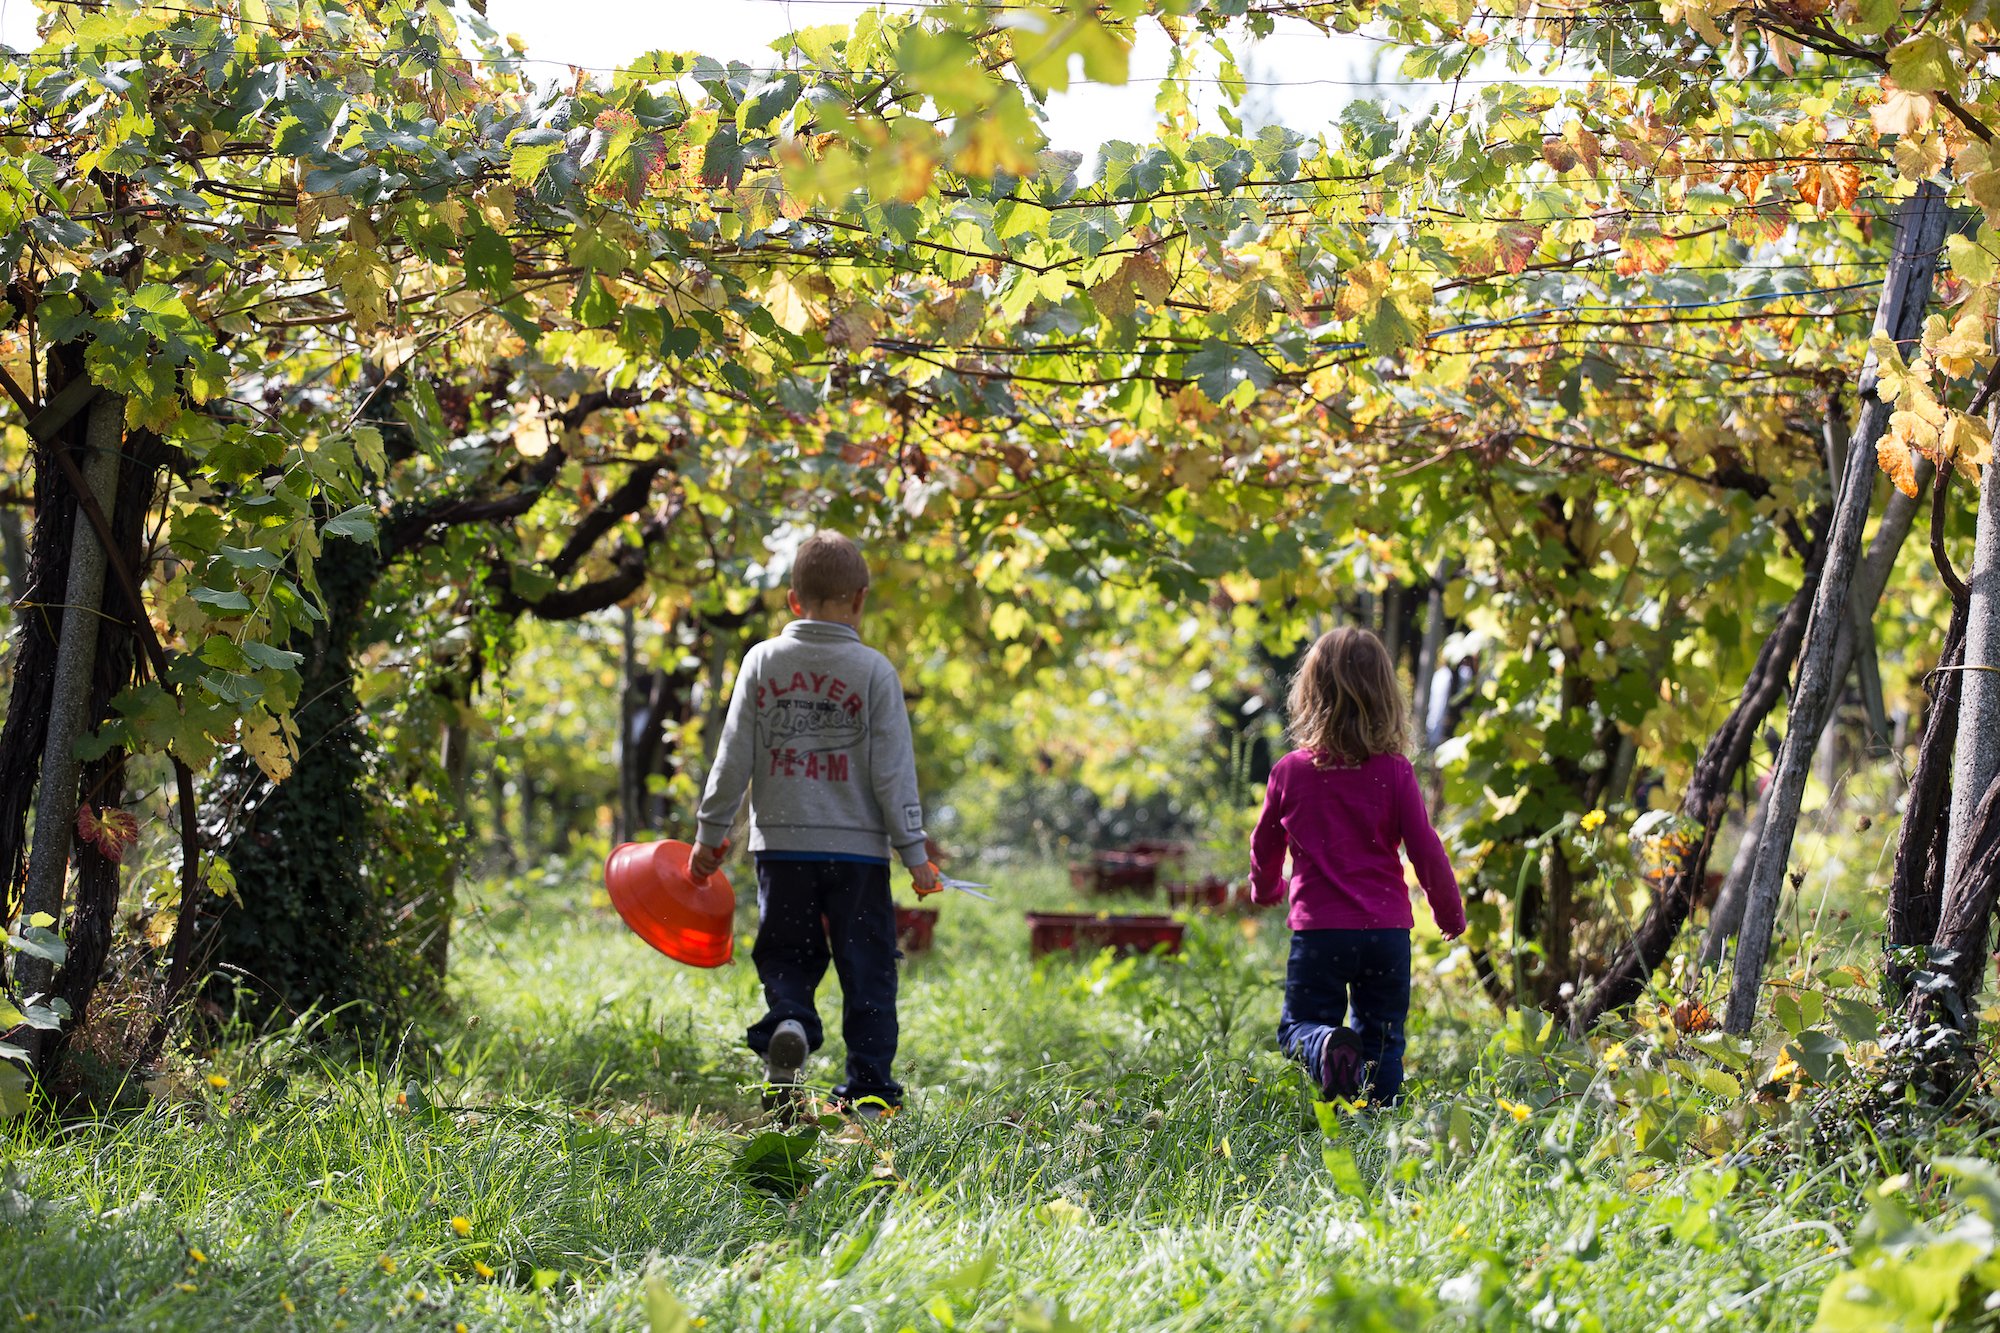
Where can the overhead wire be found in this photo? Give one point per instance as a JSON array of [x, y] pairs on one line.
[[64, 60], [1760, 74]]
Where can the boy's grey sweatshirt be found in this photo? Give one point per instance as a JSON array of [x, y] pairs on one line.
[[818, 733]]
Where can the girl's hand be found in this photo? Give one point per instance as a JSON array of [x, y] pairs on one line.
[[924, 879]]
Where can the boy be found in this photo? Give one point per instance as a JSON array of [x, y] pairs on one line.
[[818, 733]]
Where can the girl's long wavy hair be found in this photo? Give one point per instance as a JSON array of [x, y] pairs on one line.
[[1346, 705]]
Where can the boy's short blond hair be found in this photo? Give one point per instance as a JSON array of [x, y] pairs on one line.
[[828, 568]]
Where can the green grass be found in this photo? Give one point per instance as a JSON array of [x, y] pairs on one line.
[[1089, 1144]]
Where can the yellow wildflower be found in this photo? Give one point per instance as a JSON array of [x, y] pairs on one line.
[[1614, 1055], [285, 1303], [1461, 1231], [1519, 1110], [482, 1269], [185, 1286], [462, 1225], [1787, 1068], [1592, 821], [460, 1327], [387, 1263], [194, 1253], [218, 1082]]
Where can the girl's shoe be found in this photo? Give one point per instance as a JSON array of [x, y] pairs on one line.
[[1340, 1065]]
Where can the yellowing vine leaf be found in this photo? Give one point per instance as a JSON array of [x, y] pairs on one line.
[[1901, 111], [1894, 458], [364, 280], [1919, 156], [270, 746], [531, 434], [1924, 64], [1956, 351], [788, 305], [1393, 308], [1968, 444], [1003, 138], [1984, 190], [1892, 377]]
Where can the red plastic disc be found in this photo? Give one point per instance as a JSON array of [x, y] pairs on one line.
[[690, 923]]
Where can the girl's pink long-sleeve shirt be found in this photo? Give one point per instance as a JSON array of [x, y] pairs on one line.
[[1343, 825]]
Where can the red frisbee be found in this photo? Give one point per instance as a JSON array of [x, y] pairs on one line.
[[689, 922]]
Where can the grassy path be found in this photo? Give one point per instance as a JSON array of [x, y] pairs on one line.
[[1090, 1145]]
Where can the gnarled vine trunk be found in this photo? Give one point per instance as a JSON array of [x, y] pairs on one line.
[[1704, 802], [306, 930]]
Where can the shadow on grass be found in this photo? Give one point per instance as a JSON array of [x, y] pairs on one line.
[[624, 1058]]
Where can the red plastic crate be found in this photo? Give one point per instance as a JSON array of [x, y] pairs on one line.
[[916, 927], [1124, 872], [1212, 891], [1054, 932]]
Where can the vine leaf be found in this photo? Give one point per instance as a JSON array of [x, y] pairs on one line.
[[1924, 64], [1223, 368], [271, 742], [1968, 444], [110, 831], [1896, 460]]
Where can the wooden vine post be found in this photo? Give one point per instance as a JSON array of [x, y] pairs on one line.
[[1977, 755], [1920, 225], [69, 705]]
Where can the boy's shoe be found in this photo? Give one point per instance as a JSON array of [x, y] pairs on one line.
[[1340, 1065], [785, 1057]]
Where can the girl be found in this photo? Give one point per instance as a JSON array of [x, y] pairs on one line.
[[1342, 802]]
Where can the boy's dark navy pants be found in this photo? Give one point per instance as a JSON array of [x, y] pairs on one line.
[[810, 913], [1334, 971]]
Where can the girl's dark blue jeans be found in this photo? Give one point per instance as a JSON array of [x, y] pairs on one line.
[[814, 912], [1333, 972]]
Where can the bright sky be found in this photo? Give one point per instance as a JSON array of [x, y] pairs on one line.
[[608, 33]]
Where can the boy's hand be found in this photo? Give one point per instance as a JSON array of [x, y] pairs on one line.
[[706, 861], [924, 879]]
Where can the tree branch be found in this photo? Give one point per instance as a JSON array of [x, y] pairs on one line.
[[629, 561], [622, 503], [426, 525], [1939, 556]]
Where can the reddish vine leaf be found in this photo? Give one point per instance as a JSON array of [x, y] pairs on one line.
[[109, 831], [1645, 250], [1515, 244]]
